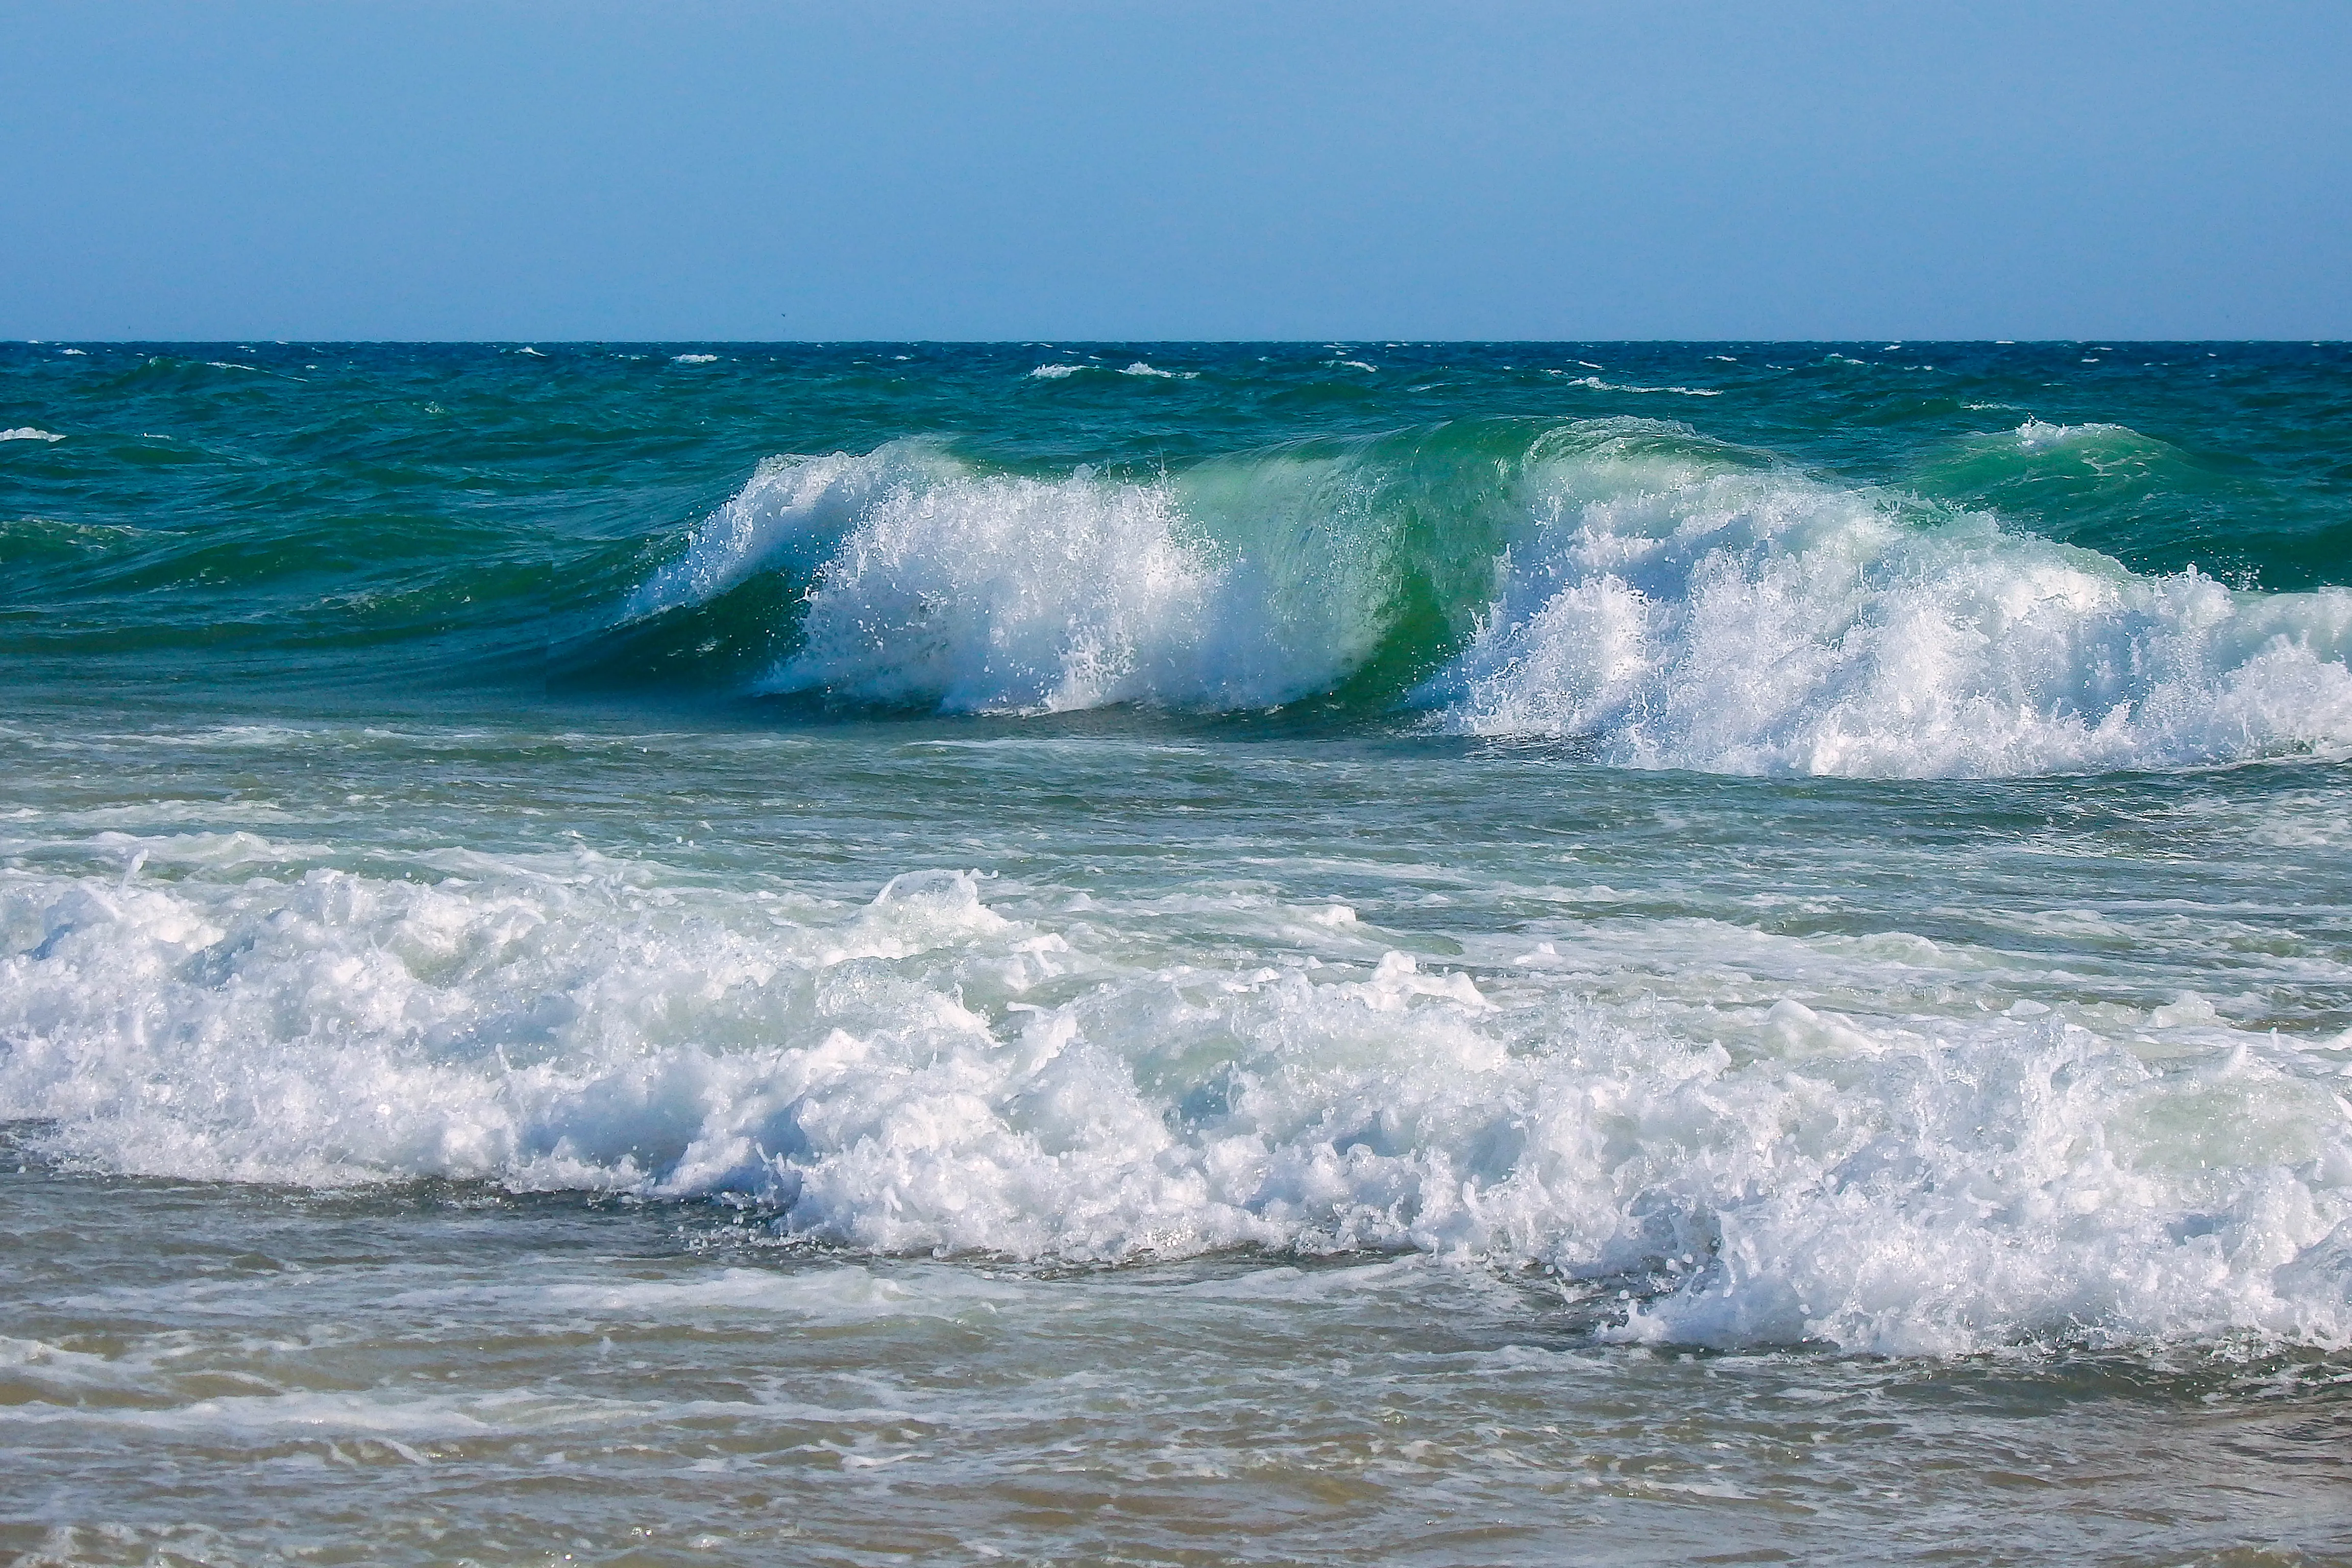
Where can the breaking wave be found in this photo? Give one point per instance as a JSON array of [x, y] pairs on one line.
[[1658, 598], [954, 1067]]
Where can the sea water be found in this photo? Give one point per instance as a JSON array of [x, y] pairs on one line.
[[1358, 952]]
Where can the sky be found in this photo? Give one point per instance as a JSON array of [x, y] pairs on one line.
[[1049, 169]]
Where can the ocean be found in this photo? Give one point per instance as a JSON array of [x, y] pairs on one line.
[[1171, 954]]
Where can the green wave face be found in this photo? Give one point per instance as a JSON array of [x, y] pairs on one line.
[[2155, 505]]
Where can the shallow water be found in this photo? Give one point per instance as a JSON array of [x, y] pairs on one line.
[[453, 1373], [1277, 962]]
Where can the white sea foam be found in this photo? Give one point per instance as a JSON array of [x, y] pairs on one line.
[[791, 514], [932, 584], [1761, 622], [1009, 594], [1057, 371], [26, 433], [1753, 1171], [693, 359], [999, 593]]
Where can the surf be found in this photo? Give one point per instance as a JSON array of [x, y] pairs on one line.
[[1662, 599]]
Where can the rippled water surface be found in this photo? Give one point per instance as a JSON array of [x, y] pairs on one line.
[[1176, 954]]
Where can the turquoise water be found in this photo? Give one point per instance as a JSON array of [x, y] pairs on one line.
[[1176, 952]]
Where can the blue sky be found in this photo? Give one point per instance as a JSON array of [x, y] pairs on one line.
[[1169, 170]]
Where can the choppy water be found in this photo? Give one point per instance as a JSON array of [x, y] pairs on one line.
[[1177, 952]]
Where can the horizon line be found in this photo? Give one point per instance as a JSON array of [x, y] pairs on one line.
[[1890, 339]]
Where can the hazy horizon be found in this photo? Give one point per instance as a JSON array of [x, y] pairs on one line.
[[1124, 342]]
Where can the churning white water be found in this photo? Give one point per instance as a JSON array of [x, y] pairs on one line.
[[1870, 1120], [1073, 1131]]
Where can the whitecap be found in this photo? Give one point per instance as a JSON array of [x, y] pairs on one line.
[[2037, 436], [1743, 622], [1597, 385]]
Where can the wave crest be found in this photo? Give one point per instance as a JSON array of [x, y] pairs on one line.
[[1766, 623], [1665, 600]]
